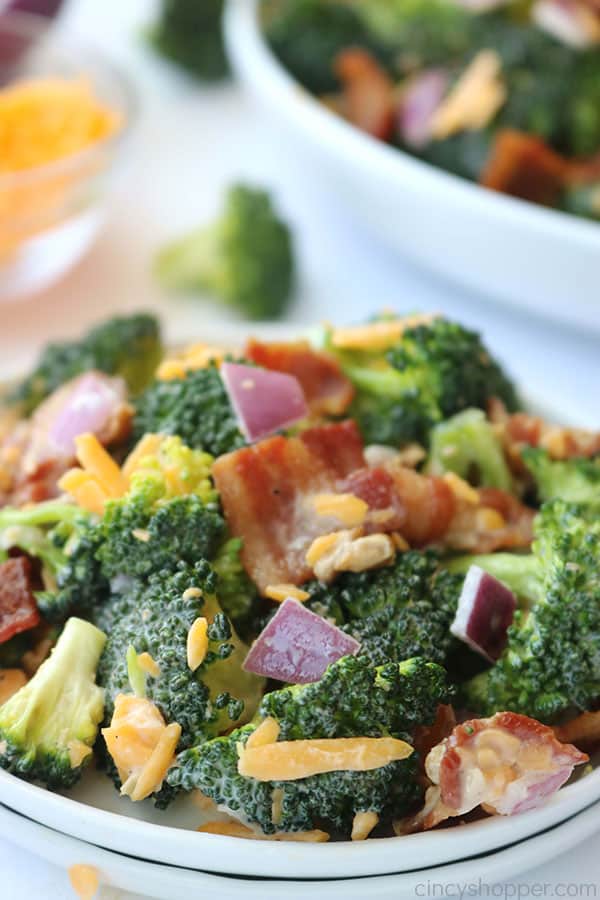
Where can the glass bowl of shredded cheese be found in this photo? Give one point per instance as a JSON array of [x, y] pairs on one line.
[[64, 113]]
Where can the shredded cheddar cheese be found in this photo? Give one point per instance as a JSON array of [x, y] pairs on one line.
[[475, 99], [363, 825], [292, 760], [461, 489], [266, 733], [349, 510], [198, 356], [148, 664], [237, 829], [85, 880], [281, 592], [146, 446], [153, 774], [490, 519], [376, 335], [94, 459], [197, 643]]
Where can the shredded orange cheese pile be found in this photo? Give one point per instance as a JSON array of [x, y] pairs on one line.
[[48, 119]]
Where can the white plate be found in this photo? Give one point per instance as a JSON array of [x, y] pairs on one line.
[[169, 883], [94, 812], [534, 257]]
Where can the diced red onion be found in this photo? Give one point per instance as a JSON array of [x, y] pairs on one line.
[[486, 608], [421, 99], [263, 401], [297, 646], [88, 408]]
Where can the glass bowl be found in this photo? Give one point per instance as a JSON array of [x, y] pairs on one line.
[[50, 214]]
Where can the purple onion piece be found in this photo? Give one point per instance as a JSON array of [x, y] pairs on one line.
[[420, 101], [297, 646], [486, 608], [263, 401]]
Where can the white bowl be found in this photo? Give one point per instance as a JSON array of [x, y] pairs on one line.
[[538, 258], [169, 883]]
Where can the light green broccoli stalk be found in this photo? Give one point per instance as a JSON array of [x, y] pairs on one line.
[[245, 259], [575, 480], [467, 445], [48, 728]]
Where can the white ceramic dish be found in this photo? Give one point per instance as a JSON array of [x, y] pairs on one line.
[[537, 258], [170, 883], [93, 812]]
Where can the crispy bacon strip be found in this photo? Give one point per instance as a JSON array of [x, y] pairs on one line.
[[18, 609], [524, 166], [326, 389], [266, 491], [368, 92], [521, 430]]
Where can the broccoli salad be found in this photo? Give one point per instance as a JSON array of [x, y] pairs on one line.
[[502, 92], [332, 588]]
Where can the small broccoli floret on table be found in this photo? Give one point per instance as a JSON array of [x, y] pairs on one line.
[[129, 347], [395, 612], [417, 377], [245, 259], [189, 33], [575, 480], [353, 699], [467, 445], [550, 667], [155, 618], [48, 728], [196, 408]]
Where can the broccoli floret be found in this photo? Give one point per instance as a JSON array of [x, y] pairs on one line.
[[352, 699], [196, 408], [65, 540], [189, 33], [399, 611], [47, 729], [129, 347], [307, 36], [574, 480], [551, 666], [237, 593], [468, 445], [433, 372], [155, 618], [245, 259]]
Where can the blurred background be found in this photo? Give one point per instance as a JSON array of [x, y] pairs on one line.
[[188, 140]]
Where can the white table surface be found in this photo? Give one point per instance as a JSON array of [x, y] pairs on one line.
[[190, 143]]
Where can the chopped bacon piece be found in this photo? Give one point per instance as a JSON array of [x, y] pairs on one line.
[[18, 609], [506, 764], [521, 430], [266, 492], [368, 92], [536, 764], [524, 166], [326, 388]]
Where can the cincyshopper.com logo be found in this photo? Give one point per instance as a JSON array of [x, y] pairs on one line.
[[430, 890]]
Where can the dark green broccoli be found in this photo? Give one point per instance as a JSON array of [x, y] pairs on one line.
[[237, 593], [129, 347], [246, 259], [353, 699], [189, 33], [48, 728], [155, 617], [196, 408], [551, 666], [399, 611], [65, 539], [307, 36], [433, 372], [575, 480], [468, 445]]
